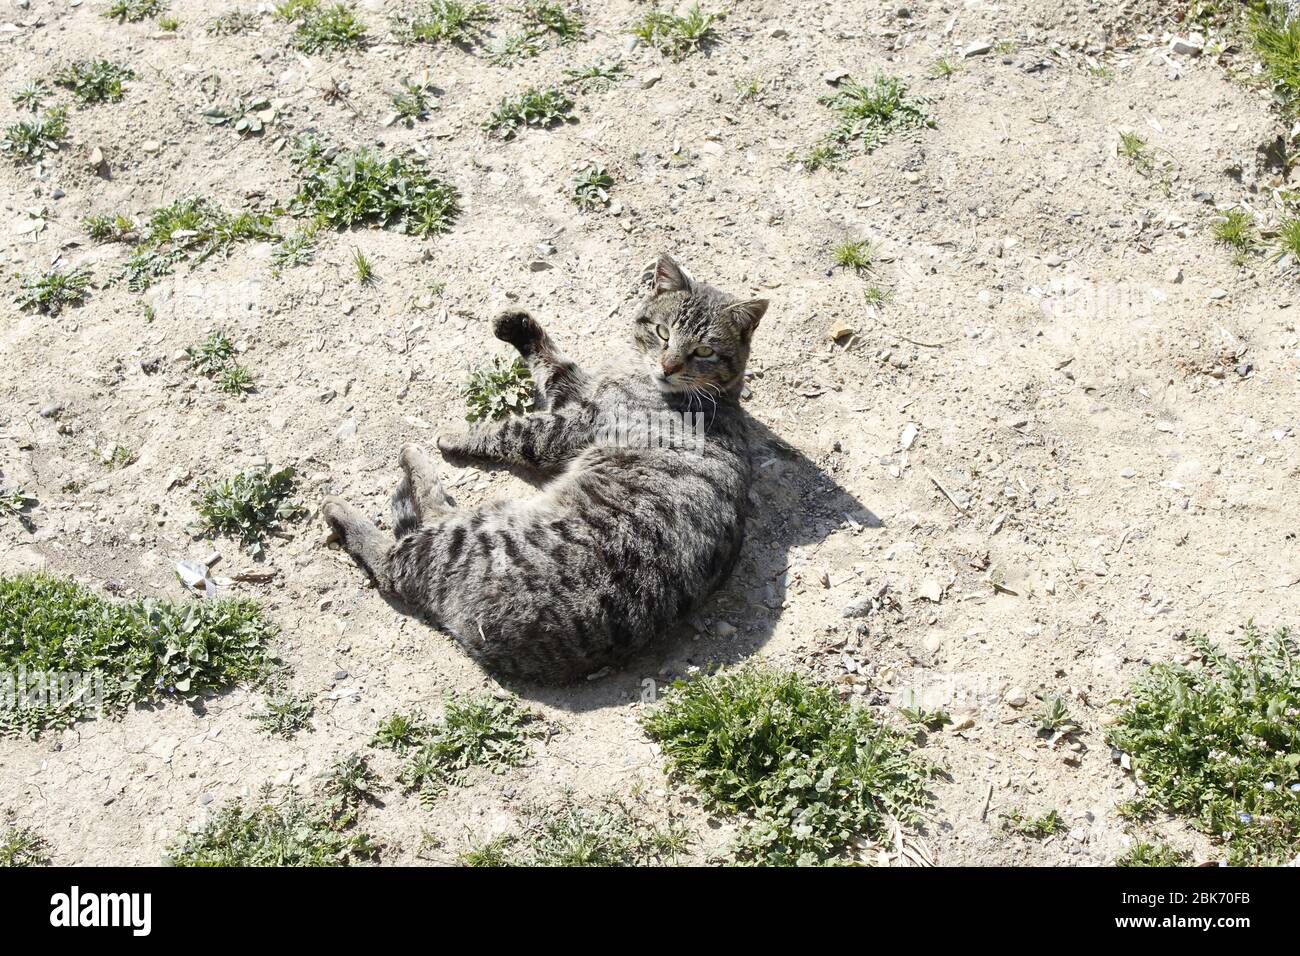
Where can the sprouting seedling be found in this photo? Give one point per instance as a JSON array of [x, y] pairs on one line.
[[1055, 717], [591, 186], [365, 269]]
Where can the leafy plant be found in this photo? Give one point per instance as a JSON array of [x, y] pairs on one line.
[[677, 36], [232, 23], [51, 291], [146, 267], [116, 228], [134, 11], [1153, 854], [1220, 745], [1235, 228], [504, 389], [597, 77], [31, 139], [284, 713], [533, 107], [868, 114], [400, 732], [349, 786], [930, 718], [413, 101], [31, 96], [212, 354], [296, 249], [95, 81], [22, 846], [340, 189], [169, 24], [569, 833], [139, 650], [199, 227], [1054, 717], [242, 114], [514, 48], [271, 832], [591, 186], [250, 505], [555, 18], [118, 457], [1036, 827], [483, 731], [447, 21], [13, 502], [810, 773], [328, 29]]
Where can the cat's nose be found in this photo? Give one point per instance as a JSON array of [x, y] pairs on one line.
[[671, 366]]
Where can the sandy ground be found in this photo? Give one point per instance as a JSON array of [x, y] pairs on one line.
[[1068, 437]]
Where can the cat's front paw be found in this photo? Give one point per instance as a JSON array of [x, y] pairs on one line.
[[455, 443], [519, 329]]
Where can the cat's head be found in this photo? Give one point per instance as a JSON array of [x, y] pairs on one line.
[[693, 337]]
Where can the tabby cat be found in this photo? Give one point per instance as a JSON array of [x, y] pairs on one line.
[[642, 520]]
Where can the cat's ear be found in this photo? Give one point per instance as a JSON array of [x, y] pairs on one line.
[[670, 277], [747, 315]]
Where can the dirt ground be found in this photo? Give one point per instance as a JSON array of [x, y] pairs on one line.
[[1068, 436]]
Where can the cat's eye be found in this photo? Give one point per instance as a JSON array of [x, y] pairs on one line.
[[703, 351], [663, 331]]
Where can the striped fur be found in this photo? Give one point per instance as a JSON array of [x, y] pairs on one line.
[[626, 538]]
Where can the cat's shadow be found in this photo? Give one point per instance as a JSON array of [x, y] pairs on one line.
[[796, 504]]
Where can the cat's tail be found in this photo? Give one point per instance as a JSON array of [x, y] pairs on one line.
[[420, 496]]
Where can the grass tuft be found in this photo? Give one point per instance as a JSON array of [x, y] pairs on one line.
[[1275, 35], [811, 773], [139, 650], [856, 254], [1220, 745]]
